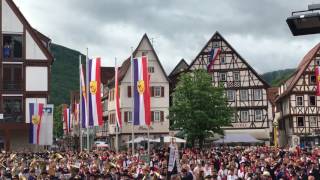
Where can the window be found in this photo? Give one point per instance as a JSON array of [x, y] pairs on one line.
[[312, 79], [156, 116], [12, 107], [258, 114], [12, 77], [215, 44], [236, 76], [234, 118], [244, 95], [300, 121], [299, 100], [129, 91], [318, 62], [244, 116], [223, 77], [230, 95], [128, 116], [223, 60], [312, 100], [144, 53], [12, 46], [257, 94], [111, 95], [151, 69], [313, 121], [112, 118], [157, 91]]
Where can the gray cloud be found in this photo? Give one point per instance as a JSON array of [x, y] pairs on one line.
[[180, 28]]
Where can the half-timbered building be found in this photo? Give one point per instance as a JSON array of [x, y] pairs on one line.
[[298, 104], [25, 63], [246, 91]]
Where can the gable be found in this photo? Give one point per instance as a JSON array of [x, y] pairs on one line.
[[10, 21], [228, 60]]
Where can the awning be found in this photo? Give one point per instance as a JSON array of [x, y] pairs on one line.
[[141, 139], [167, 139], [237, 138]]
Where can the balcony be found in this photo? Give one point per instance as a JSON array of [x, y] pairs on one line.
[[12, 86]]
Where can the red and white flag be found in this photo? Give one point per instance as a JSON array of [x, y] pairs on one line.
[[117, 103]]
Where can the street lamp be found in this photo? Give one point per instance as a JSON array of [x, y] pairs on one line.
[[306, 21]]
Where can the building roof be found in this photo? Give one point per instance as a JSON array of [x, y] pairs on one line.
[[272, 94], [126, 64], [181, 66], [32, 32], [291, 82], [242, 59], [107, 74]]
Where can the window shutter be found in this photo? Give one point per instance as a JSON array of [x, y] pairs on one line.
[[129, 91], [161, 116], [126, 116], [162, 91], [152, 91], [152, 116]]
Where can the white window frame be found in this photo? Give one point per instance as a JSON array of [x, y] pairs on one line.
[[222, 59], [221, 75], [258, 114], [315, 100], [236, 74], [151, 69], [231, 95], [318, 62], [155, 114], [156, 91], [242, 98], [129, 114], [304, 122], [244, 114], [315, 79], [313, 119], [297, 101], [257, 94]]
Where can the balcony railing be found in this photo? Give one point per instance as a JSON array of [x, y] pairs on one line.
[[12, 118], [12, 85]]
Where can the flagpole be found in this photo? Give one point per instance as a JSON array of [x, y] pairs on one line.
[[80, 104], [87, 96], [117, 127], [132, 97]]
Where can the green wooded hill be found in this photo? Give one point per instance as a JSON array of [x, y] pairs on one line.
[[274, 78], [64, 74]]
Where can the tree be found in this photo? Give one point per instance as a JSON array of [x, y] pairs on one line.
[[199, 109], [57, 122]]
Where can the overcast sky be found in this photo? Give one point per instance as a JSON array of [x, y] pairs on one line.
[[180, 28]]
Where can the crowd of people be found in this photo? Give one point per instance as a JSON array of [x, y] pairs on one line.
[[216, 163]]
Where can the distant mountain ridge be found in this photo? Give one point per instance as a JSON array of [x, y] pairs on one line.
[[274, 78]]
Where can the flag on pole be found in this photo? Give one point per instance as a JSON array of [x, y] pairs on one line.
[[67, 120], [95, 106], [41, 126], [117, 103], [213, 54], [317, 69], [141, 94], [84, 104]]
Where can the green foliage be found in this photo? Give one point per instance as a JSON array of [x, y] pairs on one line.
[[64, 74], [275, 78], [199, 109], [57, 122]]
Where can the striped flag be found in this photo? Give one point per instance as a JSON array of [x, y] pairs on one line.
[[95, 106], [141, 95], [213, 56], [67, 120], [317, 69], [41, 126], [117, 103], [84, 104]]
